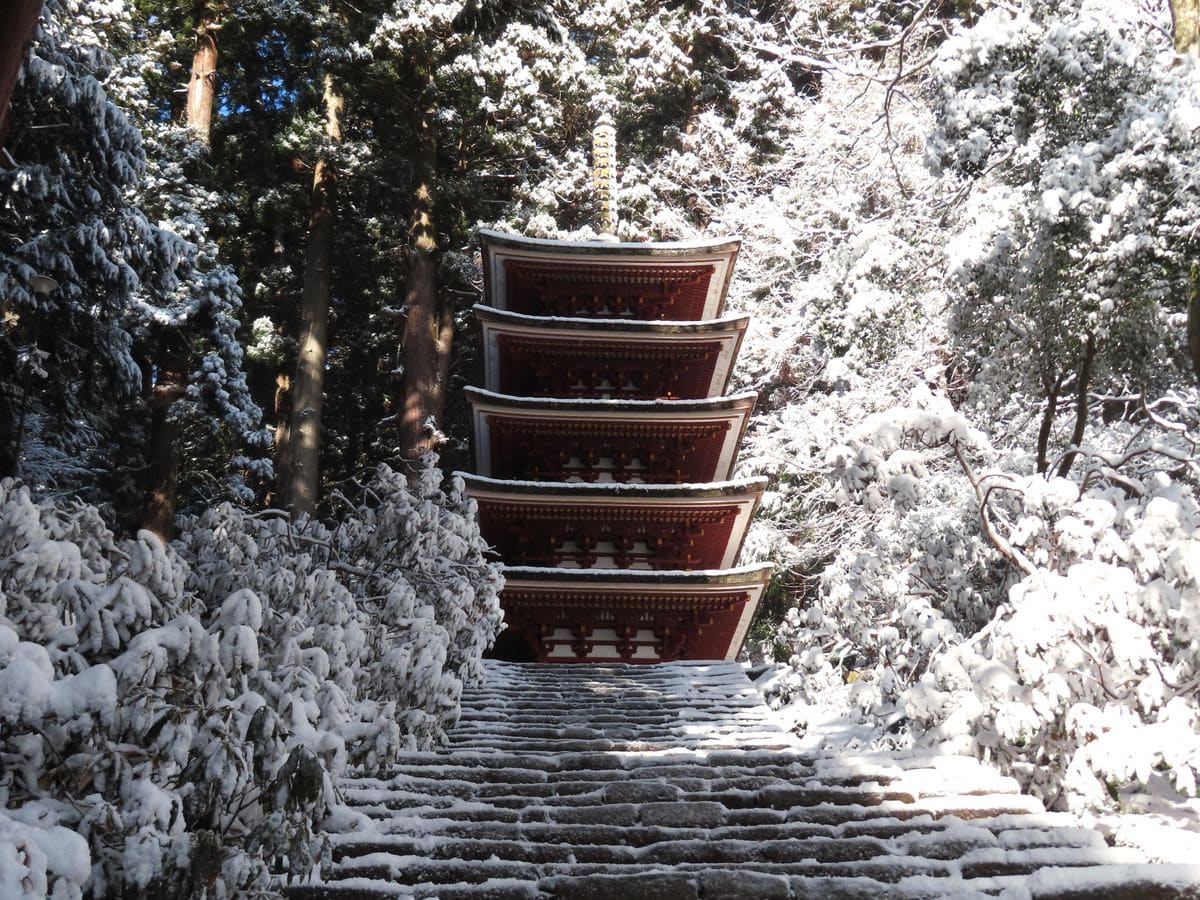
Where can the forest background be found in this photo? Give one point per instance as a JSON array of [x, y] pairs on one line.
[[236, 264]]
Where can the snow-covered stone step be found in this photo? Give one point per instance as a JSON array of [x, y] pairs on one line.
[[726, 691], [646, 718], [973, 847], [668, 695], [774, 795], [780, 764], [766, 739], [531, 733], [1011, 831], [640, 783], [638, 825], [659, 717], [685, 777], [834, 859]]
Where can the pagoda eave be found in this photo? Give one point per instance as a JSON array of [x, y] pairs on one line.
[[647, 617], [654, 327], [641, 527], [660, 441], [684, 280], [607, 358], [504, 486]]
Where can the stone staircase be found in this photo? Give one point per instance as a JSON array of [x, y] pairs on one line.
[[669, 782]]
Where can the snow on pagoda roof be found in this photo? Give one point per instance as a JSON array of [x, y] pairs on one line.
[[634, 326], [753, 574], [653, 280], [616, 489], [690, 247], [669, 407]]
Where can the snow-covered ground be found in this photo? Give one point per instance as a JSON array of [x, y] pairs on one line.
[[1165, 829]]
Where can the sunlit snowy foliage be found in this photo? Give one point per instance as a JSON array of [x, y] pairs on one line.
[[988, 401], [174, 716]]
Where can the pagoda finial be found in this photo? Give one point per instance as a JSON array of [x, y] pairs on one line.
[[604, 170]]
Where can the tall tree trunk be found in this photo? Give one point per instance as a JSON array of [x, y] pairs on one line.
[[1043, 443], [302, 488], [428, 329], [17, 20], [1185, 21], [1193, 319], [283, 434], [162, 481], [282, 407], [202, 86], [172, 360], [1084, 383]]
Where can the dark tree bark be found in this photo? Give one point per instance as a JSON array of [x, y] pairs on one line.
[[283, 433], [1193, 319], [172, 363], [429, 327], [1043, 443], [1084, 383], [302, 488], [162, 474], [17, 20]]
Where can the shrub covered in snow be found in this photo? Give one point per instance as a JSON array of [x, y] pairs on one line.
[[172, 717], [992, 519], [1048, 624]]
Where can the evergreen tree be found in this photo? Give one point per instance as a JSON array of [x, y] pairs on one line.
[[122, 236]]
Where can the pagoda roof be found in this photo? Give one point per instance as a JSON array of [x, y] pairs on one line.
[[705, 489], [621, 579], [537, 355], [633, 615], [682, 280], [653, 441], [626, 526], [614, 408]]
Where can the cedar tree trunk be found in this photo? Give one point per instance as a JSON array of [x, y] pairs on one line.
[[159, 500], [429, 327], [1185, 20], [162, 482], [1193, 319], [302, 488], [17, 20], [202, 86]]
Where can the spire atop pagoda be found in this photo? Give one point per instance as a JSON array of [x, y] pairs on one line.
[[604, 171]]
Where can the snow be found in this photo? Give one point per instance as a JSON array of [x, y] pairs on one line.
[[639, 247], [617, 487], [41, 862], [734, 573], [601, 405], [629, 324]]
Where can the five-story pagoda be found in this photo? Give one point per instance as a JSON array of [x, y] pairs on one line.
[[604, 441]]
